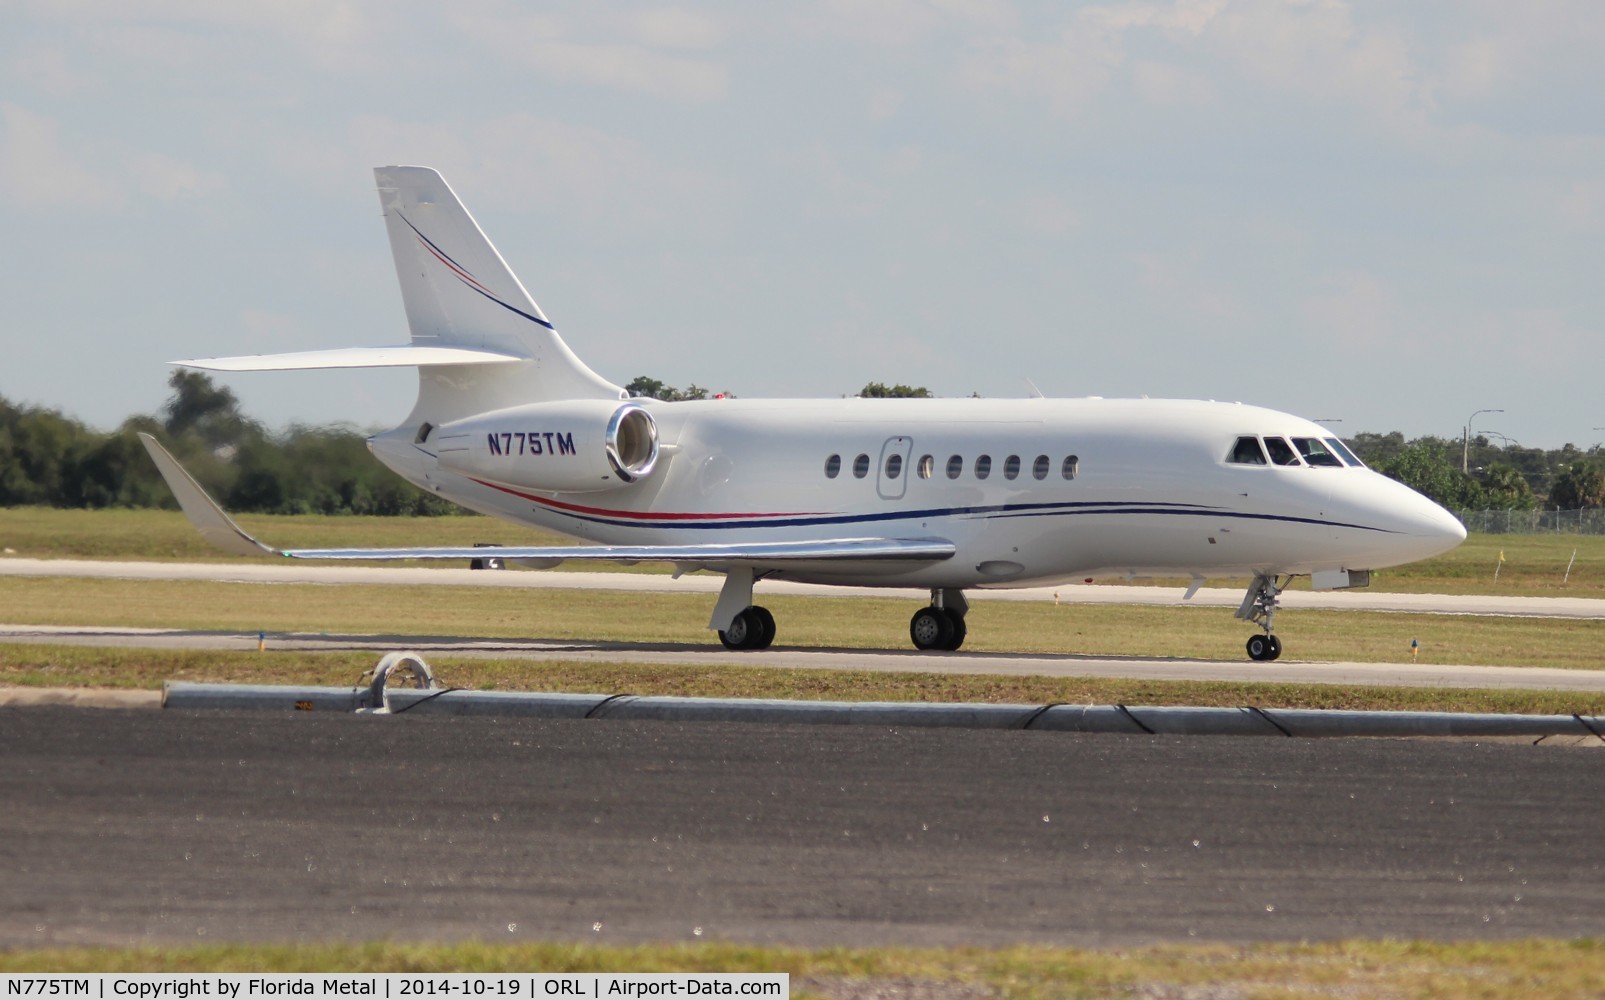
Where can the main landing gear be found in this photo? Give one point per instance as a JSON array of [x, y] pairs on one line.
[[940, 626], [1259, 607]]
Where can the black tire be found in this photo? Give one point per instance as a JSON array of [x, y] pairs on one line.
[[766, 626], [1276, 647], [930, 628], [1259, 647], [959, 629]]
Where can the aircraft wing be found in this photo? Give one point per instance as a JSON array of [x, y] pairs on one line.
[[218, 528]]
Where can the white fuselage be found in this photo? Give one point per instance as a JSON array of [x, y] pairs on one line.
[[1073, 489]]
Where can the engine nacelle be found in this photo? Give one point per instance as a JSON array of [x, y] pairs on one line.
[[574, 446]]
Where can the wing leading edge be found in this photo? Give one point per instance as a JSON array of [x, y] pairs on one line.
[[218, 528]]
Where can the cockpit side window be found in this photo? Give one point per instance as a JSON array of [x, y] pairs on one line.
[[1281, 452], [1343, 450], [1315, 453], [1247, 452]]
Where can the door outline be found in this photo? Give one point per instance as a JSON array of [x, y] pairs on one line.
[[889, 488]]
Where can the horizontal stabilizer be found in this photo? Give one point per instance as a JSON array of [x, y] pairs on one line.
[[402, 356], [219, 529]]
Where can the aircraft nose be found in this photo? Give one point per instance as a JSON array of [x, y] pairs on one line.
[[1429, 529]]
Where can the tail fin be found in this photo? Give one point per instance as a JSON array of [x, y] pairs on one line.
[[460, 293]]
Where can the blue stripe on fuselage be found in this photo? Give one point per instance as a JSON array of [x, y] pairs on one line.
[[997, 511]]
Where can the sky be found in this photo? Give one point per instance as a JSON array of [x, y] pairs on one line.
[[1384, 215]]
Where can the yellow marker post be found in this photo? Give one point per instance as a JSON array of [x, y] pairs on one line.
[[261, 642], [1415, 648]]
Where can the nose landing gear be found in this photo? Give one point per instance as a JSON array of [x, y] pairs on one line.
[[1259, 607]]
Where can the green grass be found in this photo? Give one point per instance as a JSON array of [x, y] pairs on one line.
[[1534, 564], [830, 622], [1528, 968], [46, 665], [161, 535]]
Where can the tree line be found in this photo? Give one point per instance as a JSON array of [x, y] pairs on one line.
[[49, 459]]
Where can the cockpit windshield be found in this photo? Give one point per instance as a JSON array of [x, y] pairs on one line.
[[1319, 453], [1315, 453], [1343, 450], [1281, 454]]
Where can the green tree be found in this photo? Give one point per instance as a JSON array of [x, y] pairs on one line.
[[651, 388], [1580, 484], [206, 411], [1505, 488], [880, 390], [1427, 467]]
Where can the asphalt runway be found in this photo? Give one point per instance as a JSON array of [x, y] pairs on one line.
[[138, 827]]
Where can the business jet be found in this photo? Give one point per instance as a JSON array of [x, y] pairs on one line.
[[947, 495]]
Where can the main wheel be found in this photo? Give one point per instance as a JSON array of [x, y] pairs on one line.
[[766, 623], [959, 629], [931, 628]]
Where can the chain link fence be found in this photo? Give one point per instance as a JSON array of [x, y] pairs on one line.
[[1587, 521]]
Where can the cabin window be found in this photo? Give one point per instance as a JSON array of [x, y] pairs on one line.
[[1281, 452], [983, 466], [861, 466], [894, 466], [1343, 451], [1071, 468], [927, 466], [1315, 453], [1039, 468], [1247, 452], [955, 466], [833, 466], [1011, 467]]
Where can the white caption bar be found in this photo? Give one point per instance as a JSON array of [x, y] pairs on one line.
[[397, 985]]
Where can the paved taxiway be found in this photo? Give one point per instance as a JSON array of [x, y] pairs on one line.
[[149, 827], [287, 571]]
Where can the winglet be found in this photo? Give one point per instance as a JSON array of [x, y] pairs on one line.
[[214, 525]]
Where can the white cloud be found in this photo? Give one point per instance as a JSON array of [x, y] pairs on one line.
[[49, 70], [899, 23], [169, 180], [1357, 310], [38, 172], [677, 28], [559, 50]]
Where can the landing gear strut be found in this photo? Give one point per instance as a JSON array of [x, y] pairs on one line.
[[940, 626], [1259, 607], [740, 623]]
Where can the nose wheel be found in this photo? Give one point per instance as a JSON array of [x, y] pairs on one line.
[[1264, 647], [1259, 607]]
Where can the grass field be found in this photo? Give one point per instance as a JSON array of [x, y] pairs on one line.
[[1530, 968], [1533, 565]]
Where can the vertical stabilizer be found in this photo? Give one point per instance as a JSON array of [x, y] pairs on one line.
[[460, 293]]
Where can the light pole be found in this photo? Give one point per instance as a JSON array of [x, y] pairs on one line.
[[1465, 442]]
